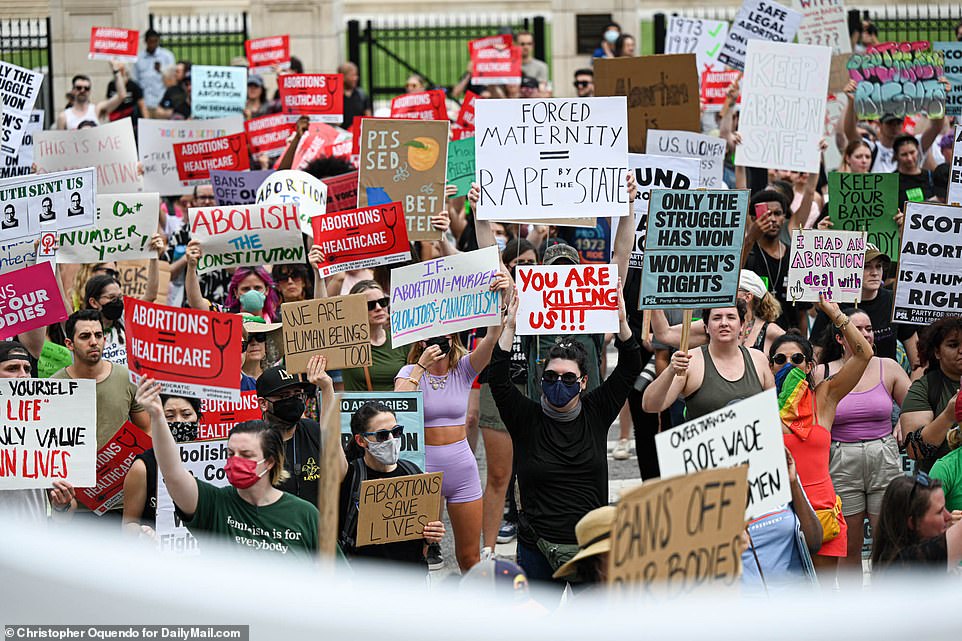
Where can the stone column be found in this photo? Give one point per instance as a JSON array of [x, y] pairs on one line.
[[565, 58], [316, 30]]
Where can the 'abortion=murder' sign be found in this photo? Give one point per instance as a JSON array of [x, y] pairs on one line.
[[122, 229], [929, 285], [195, 160], [866, 202], [361, 238], [693, 249], [334, 327], [247, 235], [444, 296], [191, 352], [900, 78], [397, 509], [64, 198], [830, 263], [316, 95], [29, 298], [19, 89], [570, 299]]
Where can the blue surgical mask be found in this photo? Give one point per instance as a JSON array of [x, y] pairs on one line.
[[501, 242], [611, 36], [252, 301], [558, 393]]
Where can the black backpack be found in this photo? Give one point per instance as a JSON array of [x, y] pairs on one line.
[[348, 535]]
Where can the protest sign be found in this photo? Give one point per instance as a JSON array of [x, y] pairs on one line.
[[322, 141], [444, 296], [826, 262], [263, 54], [195, 160], [110, 148], [747, 431], [191, 352], [112, 43], [866, 202], [16, 254], [49, 433], [237, 187], [247, 235], [405, 162], [298, 189], [217, 92], [954, 196], [900, 78], [133, 278], [661, 91], [113, 462], [205, 461], [551, 158], [19, 89], [268, 134], [710, 151], [500, 41], [20, 164], [319, 96], [461, 165], [341, 192], [466, 113], [758, 20], [704, 38], [693, 249], [929, 284], [838, 77], [361, 238], [122, 229], [397, 509], [53, 358], [674, 536], [408, 411], [714, 88], [952, 58], [569, 299], [491, 66], [156, 140], [783, 106], [824, 23], [335, 327], [65, 198], [424, 105], [218, 417], [29, 298]]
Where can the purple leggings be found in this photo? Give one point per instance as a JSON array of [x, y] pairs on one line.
[[461, 482]]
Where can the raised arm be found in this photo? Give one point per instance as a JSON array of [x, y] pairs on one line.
[[299, 129], [195, 299], [849, 125], [482, 228], [671, 334], [624, 239], [481, 355], [848, 377], [668, 386], [925, 432], [159, 244], [120, 88], [317, 376]]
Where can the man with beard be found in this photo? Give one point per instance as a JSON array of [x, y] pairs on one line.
[[82, 110]]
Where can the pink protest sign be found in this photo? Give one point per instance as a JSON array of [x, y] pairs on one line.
[[29, 298]]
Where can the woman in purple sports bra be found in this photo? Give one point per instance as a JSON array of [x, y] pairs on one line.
[[864, 455]]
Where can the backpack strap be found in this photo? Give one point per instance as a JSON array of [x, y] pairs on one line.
[[933, 379], [409, 468], [348, 535]]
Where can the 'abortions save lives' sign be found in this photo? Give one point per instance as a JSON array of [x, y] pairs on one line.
[[191, 352], [866, 202], [929, 285], [551, 158], [335, 327], [693, 249], [408, 410], [444, 296], [49, 433], [114, 459], [19, 89], [65, 198], [122, 229], [29, 298], [247, 235], [361, 238], [748, 431], [397, 509], [569, 299], [826, 262]]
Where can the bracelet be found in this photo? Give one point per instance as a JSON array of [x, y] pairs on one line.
[[842, 327], [840, 324], [423, 368], [59, 509], [415, 381], [838, 316]]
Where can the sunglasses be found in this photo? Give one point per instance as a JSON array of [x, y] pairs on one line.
[[797, 358], [380, 302], [282, 276], [526, 262], [922, 479], [581, 84], [253, 338], [382, 435], [81, 87], [568, 378]]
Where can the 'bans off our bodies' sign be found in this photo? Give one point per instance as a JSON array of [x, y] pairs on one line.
[[29, 298], [247, 235], [573, 299]]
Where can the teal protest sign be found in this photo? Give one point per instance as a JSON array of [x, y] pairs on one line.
[[408, 411], [953, 73], [461, 165]]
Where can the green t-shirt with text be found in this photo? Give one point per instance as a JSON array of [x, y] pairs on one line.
[[948, 469]]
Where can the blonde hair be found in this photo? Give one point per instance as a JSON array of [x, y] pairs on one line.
[[77, 290], [954, 437], [767, 307], [455, 354]]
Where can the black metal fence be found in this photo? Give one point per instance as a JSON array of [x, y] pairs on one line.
[[212, 39], [25, 42]]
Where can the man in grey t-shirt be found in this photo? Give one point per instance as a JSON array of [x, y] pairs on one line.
[[531, 66]]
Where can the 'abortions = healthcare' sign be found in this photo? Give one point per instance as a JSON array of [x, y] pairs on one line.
[[268, 134], [570, 299], [218, 417], [496, 66], [408, 410], [29, 298], [66, 199], [361, 238], [866, 202], [693, 249], [758, 20], [900, 78], [334, 327], [930, 284], [49, 433], [191, 352], [217, 92], [247, 235], [111, 43], [195, 160], [749, 431], [19, 89], [551, 158], [955, 171], [444, 296], [830, 263], [397, 509], [114, 459], [319, 96], [263, 54], [424, 105], [709, 150], [121, 231]]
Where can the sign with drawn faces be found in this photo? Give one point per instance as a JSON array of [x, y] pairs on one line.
[[63, 200]]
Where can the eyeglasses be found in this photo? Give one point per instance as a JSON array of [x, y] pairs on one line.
[[204, 197], [581, 84], [797, 358], [253, 338], [281, 396], [382, 435], [568, 378], [380, 302], [922, 479]]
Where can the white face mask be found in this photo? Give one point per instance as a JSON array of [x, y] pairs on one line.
[[386, 453]]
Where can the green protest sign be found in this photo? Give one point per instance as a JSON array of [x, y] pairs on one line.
[[53, 358], [461, 165], [866, 202]]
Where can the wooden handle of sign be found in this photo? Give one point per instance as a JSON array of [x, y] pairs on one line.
[[646, 325], [329, 484], [685, 330]]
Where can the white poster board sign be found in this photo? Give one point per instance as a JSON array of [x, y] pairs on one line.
[[955, 171], [824, 23], [704, 38], [758, 20], [245, 235], [710, 150], [156, 140], [567, 299], [122, 229], [217, 92], [61, 200], [109, 148], [826, 262]]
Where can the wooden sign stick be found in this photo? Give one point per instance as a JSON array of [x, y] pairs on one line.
[[685, 330]]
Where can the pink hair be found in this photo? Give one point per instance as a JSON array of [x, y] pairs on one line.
[[271, 303]]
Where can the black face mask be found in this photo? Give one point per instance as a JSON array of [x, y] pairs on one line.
[[440, 341], [183, 431], [288, 410], [113, 310]]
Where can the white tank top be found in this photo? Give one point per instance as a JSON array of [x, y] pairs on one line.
[[73, 120]]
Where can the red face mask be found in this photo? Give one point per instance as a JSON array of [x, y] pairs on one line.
[[241, 472]]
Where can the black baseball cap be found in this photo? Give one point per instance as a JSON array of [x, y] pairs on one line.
[[277, 379], [13, 351]]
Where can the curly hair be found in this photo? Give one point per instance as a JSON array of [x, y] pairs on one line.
[[932, 337]]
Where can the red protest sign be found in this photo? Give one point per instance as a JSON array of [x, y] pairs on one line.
[[361, 238], [341, 192], [319, 140], [263, 54], [426, 105], [714, 88], [460, 133], [29, 298], [567, 299], [191, 352], [317, 95], [466, 115], [196, 159], [109, 43], [268, 134], [218, 417], [502, 41], [492, 66], [113, 461]]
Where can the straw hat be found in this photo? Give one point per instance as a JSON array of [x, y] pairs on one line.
[[593, 532]]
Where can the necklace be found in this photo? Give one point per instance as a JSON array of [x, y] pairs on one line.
[[778, 274], [437, 382], [748, 330]]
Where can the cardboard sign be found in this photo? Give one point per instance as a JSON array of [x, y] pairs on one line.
[[704, 38], [952, 56], [830, 263], [425, 105], [783, 106], [461, 165], [113, 462], [29, 298], [490, 66], [714, 88], [405, 162], [824, 23], [672, 537], [900, 78], [662, 93], [551, 158], [693, 249], [758, 20], [335, 327], [217, 92], [218, 417], [298, 189], [237, 187], [929, 286], [954, 196], [19, 89], [20, 164], [408, 410], [268, 134], [444, 296], [317, 95], [247, 235], [49, 433], [205, 461], [110, 148], [191, 352], [112, 43], [263, 54], [397, 509], [466, 113], [710, 150], [569, 299], [16, 255], [361, 238], [65, 198], [866, 202], [133, 278], [121, 231], [341, 192], [195, 160], [156, 143]]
